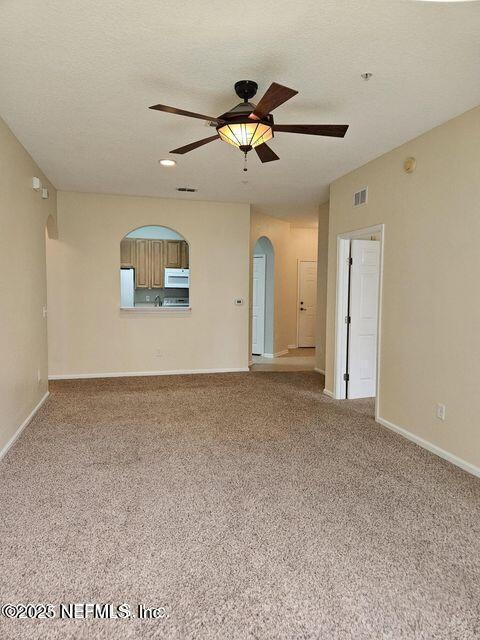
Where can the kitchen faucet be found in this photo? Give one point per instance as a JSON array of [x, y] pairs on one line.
[[157, 301]]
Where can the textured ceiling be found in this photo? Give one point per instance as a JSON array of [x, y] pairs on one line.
[[77, 76]]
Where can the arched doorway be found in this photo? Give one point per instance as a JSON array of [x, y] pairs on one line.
[[51, 228], [263, 297]]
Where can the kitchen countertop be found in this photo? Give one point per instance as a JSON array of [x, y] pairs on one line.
[[150, 308]]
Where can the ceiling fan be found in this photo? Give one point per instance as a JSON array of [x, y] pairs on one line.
[[248, 126]]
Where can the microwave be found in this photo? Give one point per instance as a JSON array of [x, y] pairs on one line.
[[177, 279]]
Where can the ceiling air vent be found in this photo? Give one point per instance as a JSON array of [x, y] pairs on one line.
[[360, 197], [187, 189]]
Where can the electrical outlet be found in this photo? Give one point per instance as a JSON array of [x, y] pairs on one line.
[[147, 298], [440, 412]]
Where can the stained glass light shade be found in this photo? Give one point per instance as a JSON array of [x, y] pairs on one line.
[[248, 134]]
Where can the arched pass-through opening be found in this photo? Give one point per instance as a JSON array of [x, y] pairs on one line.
[[263, 297], [154, 269]]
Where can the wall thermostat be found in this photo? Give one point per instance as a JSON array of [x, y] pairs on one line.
[[409, 165], [238, 301]]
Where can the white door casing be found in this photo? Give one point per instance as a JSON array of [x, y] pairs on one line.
[[307, 303], [258, 305], [362, 342]]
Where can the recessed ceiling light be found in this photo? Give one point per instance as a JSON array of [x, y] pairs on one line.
[[167, 162]]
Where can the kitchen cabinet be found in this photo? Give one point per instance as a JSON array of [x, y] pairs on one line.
[[173, 254], [142, 264], [149, 258], [156, 264], [184, 255], [127, 253]]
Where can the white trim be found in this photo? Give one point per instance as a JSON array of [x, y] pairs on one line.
[[275, 355], [319, 370], [134, 374], [343, 254], [26, 422], [263, 257], [292, 346], [328, 393], [425, 444]]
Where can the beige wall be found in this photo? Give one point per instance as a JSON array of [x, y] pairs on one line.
[[23, 335], [322, 267], [430, 349], [290, 245], [88, 334]]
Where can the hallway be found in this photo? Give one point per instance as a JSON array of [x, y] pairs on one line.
[[302, 359]]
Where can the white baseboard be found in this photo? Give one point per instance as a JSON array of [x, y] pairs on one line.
[[27, 420], [328, 393], [134, 374], [319, 370], [275, 355], [450, 457], [292, 346]]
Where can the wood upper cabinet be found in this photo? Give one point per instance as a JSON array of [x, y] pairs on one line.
[[149, 258], [127, 252], [142, 264], [184, 255], [156, 264], [173, 254]]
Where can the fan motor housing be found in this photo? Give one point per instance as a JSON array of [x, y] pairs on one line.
[[246, 89]]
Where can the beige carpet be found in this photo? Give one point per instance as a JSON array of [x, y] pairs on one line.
[[248, 505]]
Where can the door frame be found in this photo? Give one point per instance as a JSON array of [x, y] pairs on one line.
[[264, 259], [341, 306], [299, 260]]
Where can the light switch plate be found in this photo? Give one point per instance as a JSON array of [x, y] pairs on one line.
[[441, 411]]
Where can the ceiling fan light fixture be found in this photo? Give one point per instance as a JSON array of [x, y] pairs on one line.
[[245, 135]]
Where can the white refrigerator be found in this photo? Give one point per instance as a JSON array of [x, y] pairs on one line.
[[127, 287]]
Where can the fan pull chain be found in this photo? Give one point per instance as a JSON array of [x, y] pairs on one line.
[[245, 166]]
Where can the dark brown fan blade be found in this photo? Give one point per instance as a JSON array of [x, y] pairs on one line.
[[195, 145], [275, 95], [265, 153], [334, 130], [181, 112]]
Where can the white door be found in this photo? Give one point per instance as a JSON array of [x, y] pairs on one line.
[[362, 341], [258, 306], [307, 303]]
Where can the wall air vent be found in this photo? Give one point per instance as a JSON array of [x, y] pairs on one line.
[[187, 189], [360, 197]]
